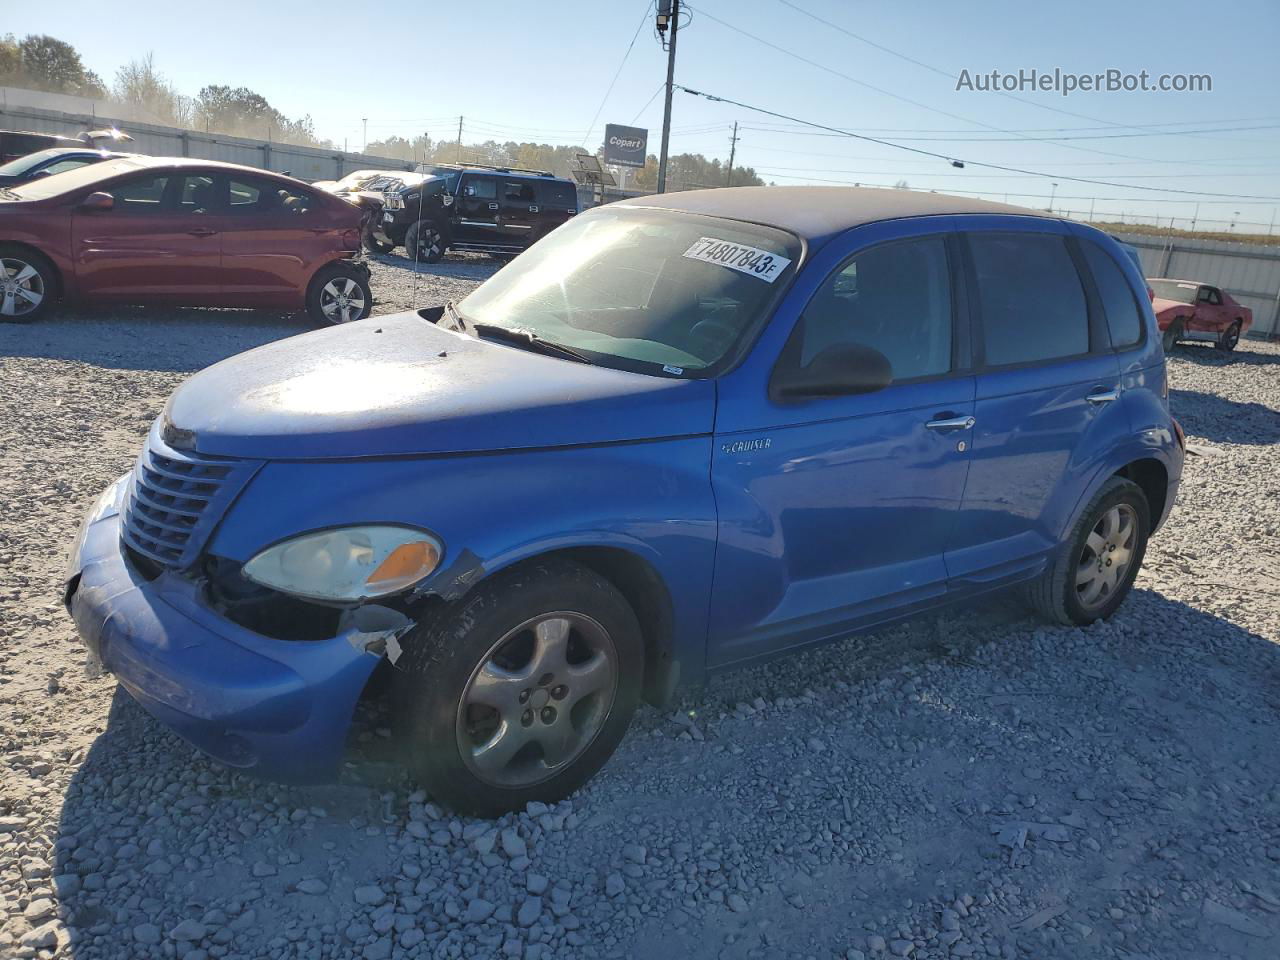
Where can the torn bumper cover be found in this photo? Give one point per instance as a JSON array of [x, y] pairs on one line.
[[280, 709]]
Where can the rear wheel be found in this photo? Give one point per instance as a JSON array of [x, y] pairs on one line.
[[521, 691], [1172, 334], [27, 285], [1230, 337], [338, 294], [1093, 571], [424, 242]]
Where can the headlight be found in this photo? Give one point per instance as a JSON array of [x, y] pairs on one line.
[[348, 563]]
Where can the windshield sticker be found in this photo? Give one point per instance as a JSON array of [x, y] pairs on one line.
[[737, 256], [668, 368]]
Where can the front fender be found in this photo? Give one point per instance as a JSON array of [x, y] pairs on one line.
[[651, 499]]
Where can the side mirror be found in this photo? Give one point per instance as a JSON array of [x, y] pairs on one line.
[[98, 202], [41, 174], [841, 370]]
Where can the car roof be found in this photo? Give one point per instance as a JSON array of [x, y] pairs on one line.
[[817, 213]]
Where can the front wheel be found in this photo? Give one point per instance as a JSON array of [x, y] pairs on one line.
[[27, 285], [1172, 334], [373, 244], [1093, 570], [520, 691], [338, 294], [424, 242], [1230, 337]]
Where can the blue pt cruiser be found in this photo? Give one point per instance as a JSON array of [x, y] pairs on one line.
[[678, 435]]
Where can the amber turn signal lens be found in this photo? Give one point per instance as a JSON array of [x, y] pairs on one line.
[[406, 564]]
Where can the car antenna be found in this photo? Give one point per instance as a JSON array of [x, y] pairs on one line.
[[416, 244]]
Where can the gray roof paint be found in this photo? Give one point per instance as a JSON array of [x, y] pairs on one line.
[[818, 213]]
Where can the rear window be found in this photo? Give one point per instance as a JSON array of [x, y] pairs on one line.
[[556, 193], [1032, 303], [1123, 319]]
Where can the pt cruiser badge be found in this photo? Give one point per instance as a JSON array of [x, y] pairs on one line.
[[747, 446]]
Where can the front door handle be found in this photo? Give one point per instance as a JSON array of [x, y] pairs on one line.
[[202, 232], [948, 424], [1103, 396]]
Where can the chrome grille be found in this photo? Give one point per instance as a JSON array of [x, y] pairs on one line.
[[174, 500]]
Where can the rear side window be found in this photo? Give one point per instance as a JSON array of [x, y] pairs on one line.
[[250, 195], [556, 194], [895, 299], [1123, 319], [1029, 293], [520, 192]]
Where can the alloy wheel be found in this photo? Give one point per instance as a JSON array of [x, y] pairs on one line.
[[537, 699], [1106, 555], [428, 243], [21, 287], [342, 300]]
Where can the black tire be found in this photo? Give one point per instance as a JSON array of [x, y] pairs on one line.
[[38, 279], [443, 664], [425, 242], [345, 280], [1057, 595], [374, 245], [1172, 334], [1230, 337]]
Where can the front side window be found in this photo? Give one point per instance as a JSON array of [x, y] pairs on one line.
[[197, 194], [480, 188], [1029, 294], [71, 163], [143, 194], [653, 291], [896, 299], [1123, 319]]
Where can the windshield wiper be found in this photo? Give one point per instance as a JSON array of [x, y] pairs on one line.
[[459, 322], [529, 340]]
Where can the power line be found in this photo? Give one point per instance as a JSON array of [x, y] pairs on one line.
[[648, 102], [957, 161], [586, 139], [1021, 139]]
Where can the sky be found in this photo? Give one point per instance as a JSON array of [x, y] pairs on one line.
[[524, 71]]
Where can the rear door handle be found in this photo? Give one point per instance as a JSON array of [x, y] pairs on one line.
[[493, 206], [1103, 396], [947, 424], [202, 232]]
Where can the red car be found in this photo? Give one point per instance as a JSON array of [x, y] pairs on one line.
[[1190, 310], [163, 230]]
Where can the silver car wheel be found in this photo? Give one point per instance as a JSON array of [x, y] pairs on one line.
[[21, 287], [342, 300], [1105, 558], [537, 699]]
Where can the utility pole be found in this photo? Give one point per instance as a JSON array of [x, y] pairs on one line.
[[668, 15], [1195, 216], [733, 146], [457, 153], [1052, 193], [364, 147]]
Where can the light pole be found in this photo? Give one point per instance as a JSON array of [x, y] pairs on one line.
[[364, 143]]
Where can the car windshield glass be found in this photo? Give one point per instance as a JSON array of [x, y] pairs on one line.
[[23, 164], [653, 291], [72, 180], [1178, 290], [352, 180]]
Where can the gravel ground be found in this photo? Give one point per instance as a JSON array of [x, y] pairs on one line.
[[974, 785]]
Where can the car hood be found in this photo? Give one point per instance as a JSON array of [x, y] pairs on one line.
[[399, 385]]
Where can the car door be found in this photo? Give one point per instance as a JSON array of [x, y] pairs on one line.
[[149, 245], [276, 235], [1210, 312], [1046, 404], [476, 219], [518, 210], [836, 511]]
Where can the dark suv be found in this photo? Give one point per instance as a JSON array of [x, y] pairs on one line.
[[487, 209]]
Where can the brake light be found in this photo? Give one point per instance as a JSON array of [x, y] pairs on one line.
[[1151, 294]]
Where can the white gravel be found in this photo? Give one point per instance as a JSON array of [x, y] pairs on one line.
[[973, 785]]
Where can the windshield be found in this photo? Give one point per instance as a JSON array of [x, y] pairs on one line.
[[72, 180], [1178, 290], [23, 164], [653, 291]]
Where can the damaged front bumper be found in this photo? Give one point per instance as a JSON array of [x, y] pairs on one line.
[[277, 708]]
